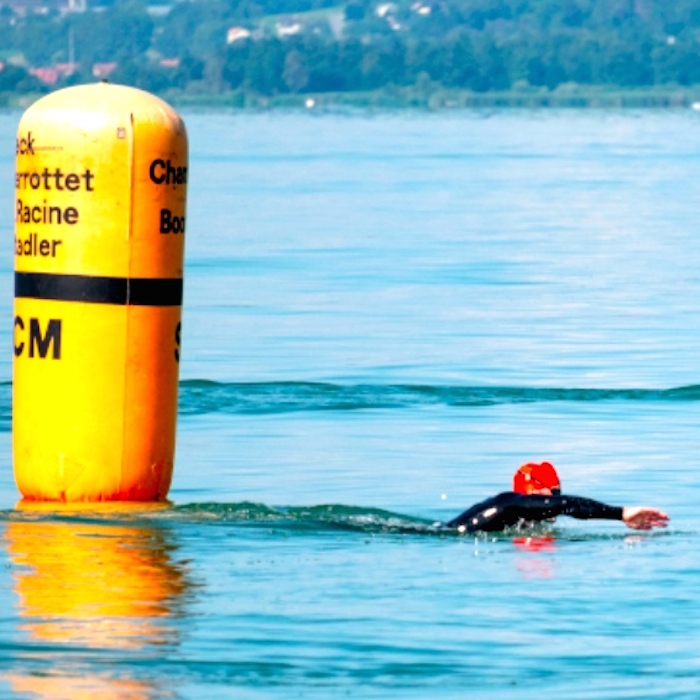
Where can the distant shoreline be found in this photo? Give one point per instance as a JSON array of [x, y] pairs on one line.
[[438, 99]]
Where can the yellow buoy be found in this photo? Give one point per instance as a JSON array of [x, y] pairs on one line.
[[100, 186]]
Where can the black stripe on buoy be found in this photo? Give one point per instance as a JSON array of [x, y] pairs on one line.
[[123, 291]]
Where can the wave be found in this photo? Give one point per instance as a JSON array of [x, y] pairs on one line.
[[246, 514], [312, 518], [201, 396], [291, 520]]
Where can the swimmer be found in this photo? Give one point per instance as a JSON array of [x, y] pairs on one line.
[[536, 496]]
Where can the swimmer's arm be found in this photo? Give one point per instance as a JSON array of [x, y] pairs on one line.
[[637, 518], [574, 506]]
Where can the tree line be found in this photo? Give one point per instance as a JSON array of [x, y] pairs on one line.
[[476, 45]]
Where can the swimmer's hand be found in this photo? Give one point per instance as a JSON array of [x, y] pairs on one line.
[[643, 518]]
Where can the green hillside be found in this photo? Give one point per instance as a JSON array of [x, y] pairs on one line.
[[408, 51]]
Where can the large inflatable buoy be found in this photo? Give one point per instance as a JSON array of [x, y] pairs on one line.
[[101, 182]]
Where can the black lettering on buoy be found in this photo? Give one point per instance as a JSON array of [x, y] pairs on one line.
[[45, 214], [25, 146], [177, 342], [40, 343], [19, 347], [33, 245], [170, 223], [54, 179], [43, 342], [163, 172]]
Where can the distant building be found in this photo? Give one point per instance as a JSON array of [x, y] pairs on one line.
[[48, 76], [103, 70], [421, 9], [386, 8], [66, 69], [236, 34], [52, 74], [288, 28], [42, 7], [27, 7]]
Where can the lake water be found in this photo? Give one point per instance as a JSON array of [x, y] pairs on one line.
[[385, 314]]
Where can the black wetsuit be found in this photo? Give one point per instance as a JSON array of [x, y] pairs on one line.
[[512, 509]]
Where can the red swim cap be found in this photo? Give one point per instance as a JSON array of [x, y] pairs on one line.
[[532, 477]]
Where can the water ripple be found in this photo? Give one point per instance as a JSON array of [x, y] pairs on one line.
[[201, 396]]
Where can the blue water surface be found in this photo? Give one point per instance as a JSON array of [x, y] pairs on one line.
[[385, 314]]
